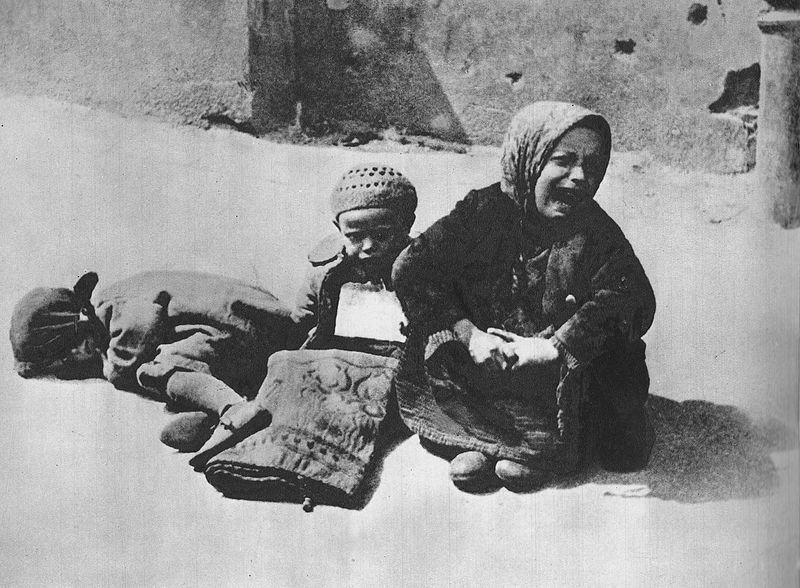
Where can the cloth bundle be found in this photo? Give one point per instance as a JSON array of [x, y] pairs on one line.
[[329, 420]]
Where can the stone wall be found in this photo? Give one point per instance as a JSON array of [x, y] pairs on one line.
[[179, 59], [454, 69], [643, 64]]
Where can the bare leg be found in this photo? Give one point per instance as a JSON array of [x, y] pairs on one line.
[[211, 397], [201, 392]]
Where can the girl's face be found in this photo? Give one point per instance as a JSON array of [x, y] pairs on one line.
[[572, 174]]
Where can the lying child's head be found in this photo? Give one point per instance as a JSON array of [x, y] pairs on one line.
[[373, 208], [54, 331]]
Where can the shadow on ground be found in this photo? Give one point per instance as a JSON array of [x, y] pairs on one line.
[[703, 452]]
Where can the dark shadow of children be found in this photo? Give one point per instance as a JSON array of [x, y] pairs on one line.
[[703, 452]]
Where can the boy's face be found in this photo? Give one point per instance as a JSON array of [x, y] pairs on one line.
[[373, 235], [82, 361], [572, 174]]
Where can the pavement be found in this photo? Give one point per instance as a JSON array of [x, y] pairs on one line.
[[91, 498]]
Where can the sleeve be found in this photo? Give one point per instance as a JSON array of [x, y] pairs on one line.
[[424, 275], [621, 306], [306, 307], [136, 328]]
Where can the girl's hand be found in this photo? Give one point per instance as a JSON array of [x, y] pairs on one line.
[[522, 352], [487, 350]]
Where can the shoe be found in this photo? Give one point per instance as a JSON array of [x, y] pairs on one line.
[[238, 422], [188, 431], [518, 477], [472, 471]]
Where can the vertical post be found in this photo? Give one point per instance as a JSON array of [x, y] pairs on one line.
[[778, 150]]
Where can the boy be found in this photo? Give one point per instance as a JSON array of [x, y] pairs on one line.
[[373, 209], [344, 303], [197, 341]]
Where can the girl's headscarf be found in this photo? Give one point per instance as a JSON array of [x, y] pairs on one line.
[[533, 134]]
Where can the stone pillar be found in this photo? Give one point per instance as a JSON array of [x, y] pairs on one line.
[[778, 151]]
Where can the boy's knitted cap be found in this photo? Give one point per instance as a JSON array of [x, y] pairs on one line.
[[373, 187], [44, 324]]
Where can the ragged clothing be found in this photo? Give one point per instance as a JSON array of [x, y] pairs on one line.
[[576, 282], [330, 403], [582, 284], [318, 300], [331, 420], [164, 321], [586, 290]]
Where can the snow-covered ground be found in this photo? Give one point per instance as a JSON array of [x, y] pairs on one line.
[[91, 498]]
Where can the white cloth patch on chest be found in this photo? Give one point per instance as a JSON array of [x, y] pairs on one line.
[[369, 312]]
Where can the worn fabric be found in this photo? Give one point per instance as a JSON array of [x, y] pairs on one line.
[[329, 411], [318, 299], [582, 282], [162, 322], [47, 323], [44, 325], [528, 416], [531, 137], [576, 282], [374, 187], [327, 400]]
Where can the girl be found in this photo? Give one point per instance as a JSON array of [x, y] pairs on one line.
[[527, 306]]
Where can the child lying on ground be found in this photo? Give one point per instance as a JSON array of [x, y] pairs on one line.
[[527, 306], [202, 342], [196, 341]]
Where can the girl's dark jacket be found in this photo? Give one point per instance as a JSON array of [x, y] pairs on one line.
[[586, 290]]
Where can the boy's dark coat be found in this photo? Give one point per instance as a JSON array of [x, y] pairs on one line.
[[318, 299]]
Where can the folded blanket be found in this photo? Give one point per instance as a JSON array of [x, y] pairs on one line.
[[329, 416]]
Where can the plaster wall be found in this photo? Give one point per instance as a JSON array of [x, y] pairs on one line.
[[455, 69], [656, 97], [179, 59]]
